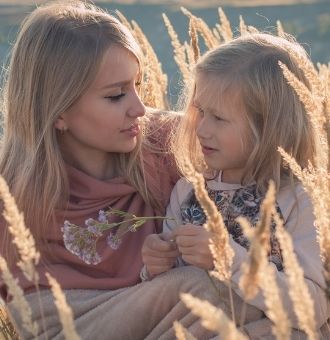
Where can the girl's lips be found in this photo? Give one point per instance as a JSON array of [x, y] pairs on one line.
[[206, 150], [132, 131]]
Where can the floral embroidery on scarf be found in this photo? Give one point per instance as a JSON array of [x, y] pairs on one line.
[[246, 202]]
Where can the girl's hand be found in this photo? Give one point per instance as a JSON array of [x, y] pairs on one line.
[[159, 254], [193, 243]]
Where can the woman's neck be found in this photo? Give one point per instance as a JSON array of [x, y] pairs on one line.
[[102, 166]]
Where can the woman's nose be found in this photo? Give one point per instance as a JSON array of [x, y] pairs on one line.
[[137, 108]]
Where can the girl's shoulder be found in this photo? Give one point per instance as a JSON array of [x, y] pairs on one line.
[[295, 205], [181, 190]]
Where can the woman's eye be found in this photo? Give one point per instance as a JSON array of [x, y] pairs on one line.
[[117, 97]]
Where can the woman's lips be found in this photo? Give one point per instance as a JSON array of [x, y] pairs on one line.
[[132, 131]]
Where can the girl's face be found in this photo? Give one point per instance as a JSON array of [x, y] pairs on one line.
[[106, 117], [222, 128]]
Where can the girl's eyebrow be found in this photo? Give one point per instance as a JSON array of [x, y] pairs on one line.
[[211, 110]]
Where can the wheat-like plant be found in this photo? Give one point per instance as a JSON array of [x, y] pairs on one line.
[[18, 300], [224, 28], [179, 51], [259, 247], [201, 26], [221, 250], [181, 332], [280, 29], [213, 318], [194, 39], [242, 26], [154, 86], [258, 273], [7, 329], [316, 180], [64, 311], [22, 237], [298, 291]]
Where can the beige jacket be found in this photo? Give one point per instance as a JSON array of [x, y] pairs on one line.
[[298, 220]]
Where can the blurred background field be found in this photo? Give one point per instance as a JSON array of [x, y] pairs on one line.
[[307, 20]]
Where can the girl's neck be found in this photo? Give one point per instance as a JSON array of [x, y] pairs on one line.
[[231, 177]]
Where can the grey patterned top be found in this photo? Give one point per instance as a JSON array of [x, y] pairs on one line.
[[245, 201]]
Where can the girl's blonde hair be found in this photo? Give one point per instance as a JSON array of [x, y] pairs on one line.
[[55, 59], [249, 65]]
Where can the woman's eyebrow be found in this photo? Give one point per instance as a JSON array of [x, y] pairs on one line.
[[117, 84]]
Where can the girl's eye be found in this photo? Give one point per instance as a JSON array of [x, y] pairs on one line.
[[218, 118], [200, 111], [116, 98]]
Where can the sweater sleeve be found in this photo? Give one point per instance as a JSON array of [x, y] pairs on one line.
[[179, 192], [298, 218]]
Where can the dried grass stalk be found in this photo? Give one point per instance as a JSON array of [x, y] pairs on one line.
[[181, 332], [225, 28], [258, 273], [7, 329], [316, 180], [275, 310], [179, 51], [242, 26], [64, 311], [154, 86], [19, 302], [213, 318], [259, 245], [280, 30], [189, 55], [22, 237], [202, 27], [194, 39], [221, 250], [298, 291], [317, 183]]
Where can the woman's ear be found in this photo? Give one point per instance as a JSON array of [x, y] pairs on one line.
[[60, 123]]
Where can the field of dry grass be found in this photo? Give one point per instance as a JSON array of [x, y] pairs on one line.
[[188, 3], [316, 180]]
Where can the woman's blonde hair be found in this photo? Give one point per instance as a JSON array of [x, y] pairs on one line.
[[250, 65], [55, 59]]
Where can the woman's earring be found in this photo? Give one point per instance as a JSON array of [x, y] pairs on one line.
[[63, 129]]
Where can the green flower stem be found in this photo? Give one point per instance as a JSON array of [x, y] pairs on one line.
[[106, 226]]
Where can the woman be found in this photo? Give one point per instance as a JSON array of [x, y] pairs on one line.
[[72, 146]]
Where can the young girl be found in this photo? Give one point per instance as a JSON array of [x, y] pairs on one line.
[[73, 145], [240, 110]]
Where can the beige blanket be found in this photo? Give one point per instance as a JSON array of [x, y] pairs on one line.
[[145, 311]]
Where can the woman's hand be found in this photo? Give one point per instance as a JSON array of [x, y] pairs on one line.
[[159, 254], [193, 243]]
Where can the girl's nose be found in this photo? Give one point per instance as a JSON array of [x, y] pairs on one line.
[[137, 108], [202, 129]]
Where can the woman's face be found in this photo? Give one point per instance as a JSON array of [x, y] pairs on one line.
[[105, 119]]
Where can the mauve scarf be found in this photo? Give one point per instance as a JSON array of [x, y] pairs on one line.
[[118, 268]]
